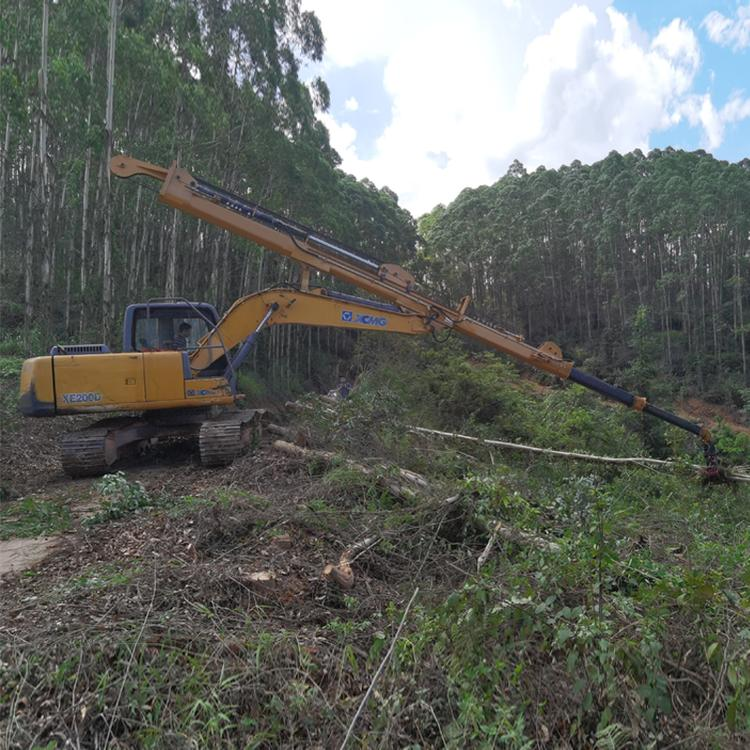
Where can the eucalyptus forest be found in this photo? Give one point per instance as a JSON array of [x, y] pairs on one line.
[[575, 253], [424, 544]]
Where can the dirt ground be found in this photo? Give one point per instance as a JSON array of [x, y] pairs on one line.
[[701, 411], [17, 555], [33, 470]]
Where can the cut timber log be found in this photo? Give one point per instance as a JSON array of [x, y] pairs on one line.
[[394, 479], [738, 474]]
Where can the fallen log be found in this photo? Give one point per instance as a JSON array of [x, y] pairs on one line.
[[739, 474], [391, 478]]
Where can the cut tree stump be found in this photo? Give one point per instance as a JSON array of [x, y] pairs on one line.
[[342, 574]]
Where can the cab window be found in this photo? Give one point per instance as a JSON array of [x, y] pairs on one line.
[[162, 331]]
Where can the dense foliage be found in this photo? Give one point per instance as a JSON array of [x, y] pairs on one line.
[[629, 630], [645, 254]]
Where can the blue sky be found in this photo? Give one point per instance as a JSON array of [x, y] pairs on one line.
[[723, 71], [431, 96]]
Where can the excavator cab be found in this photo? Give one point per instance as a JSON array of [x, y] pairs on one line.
[[163, 325]]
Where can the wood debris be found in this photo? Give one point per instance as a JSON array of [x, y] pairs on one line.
[[393, 478]]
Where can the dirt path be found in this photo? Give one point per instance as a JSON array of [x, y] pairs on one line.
[[19, 554]]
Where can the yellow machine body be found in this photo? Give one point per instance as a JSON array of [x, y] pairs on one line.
[[130, 381]]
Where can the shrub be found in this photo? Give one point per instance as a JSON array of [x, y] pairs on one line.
[[121, 498]]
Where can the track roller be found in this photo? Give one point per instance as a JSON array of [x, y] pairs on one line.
[[92, 451], [223, 439]]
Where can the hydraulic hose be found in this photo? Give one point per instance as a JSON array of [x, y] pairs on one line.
[[641, 404]]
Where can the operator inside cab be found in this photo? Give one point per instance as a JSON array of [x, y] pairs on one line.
[[180, 341]]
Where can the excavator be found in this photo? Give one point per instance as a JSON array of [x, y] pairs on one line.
[[177, 370]]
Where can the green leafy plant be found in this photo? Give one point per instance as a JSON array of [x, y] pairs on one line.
[[120, 498], [10, 367]]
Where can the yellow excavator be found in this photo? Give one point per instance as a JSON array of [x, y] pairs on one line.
[[178, 365]]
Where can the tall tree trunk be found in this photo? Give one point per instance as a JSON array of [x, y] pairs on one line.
[[170, 283], [3, 161], [213, 283], [107, 245], [133, 264], [85, 208], [68, 266], [667, 317], [740, 313], [28, 298], [44, 186]]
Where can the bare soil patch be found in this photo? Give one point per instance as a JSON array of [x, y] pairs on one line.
[[19, 554], [699, 410]]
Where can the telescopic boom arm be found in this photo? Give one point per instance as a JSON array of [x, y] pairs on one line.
[[315, 251]]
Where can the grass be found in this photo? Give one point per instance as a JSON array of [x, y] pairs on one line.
[[103, 576], [10, 367], [34, 516]]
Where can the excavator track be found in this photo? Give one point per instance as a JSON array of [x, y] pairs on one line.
[[222, 440], [91, 451], [85, 454]]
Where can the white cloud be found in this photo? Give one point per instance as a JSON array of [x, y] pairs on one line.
[[736, 109], [351, 104], [343, 136], [700, 111], [477, 84], [592, 85], [729, 32]]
